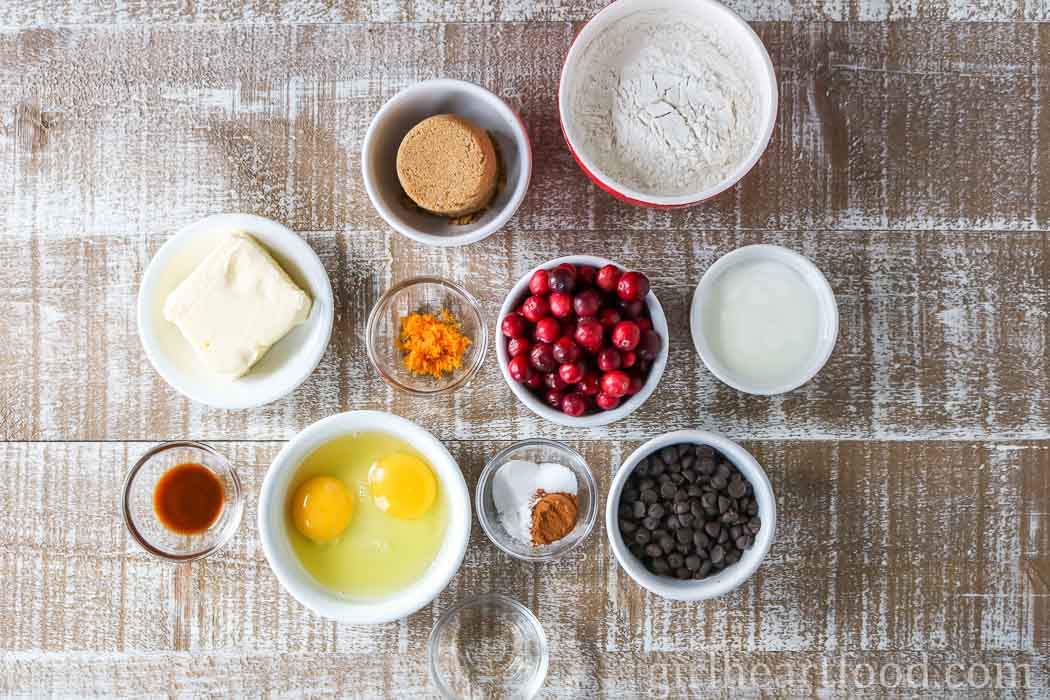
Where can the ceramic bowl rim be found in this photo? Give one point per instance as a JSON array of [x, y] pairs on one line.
[[829, 316], [293, 246], [656, 313], [757, 57], [732, 576], [289, 572], [521, 140]]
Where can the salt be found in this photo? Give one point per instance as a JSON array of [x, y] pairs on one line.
[[514, 488]]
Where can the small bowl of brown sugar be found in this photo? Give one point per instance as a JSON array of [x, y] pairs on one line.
[[446, 162], [537, 500]]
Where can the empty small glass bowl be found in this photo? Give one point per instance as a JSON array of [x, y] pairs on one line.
[[141, 519], [488, 647], [538, 451], [424, 295]]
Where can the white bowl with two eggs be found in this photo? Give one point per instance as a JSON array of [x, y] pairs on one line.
[[276, 536]]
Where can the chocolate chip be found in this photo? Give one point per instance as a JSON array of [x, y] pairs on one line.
[[687, 512]]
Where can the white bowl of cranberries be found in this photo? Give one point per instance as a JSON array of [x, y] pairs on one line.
[[582, 341]]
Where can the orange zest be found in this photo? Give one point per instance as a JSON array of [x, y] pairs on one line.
[[432, 344]]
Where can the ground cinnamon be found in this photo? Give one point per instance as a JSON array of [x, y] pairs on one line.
[[553, 516]]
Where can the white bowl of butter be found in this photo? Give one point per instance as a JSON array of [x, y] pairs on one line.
[[235, 311]]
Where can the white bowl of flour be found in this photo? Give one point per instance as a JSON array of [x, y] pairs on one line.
[[667, 103]]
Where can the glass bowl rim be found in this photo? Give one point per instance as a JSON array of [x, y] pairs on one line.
[[485, 480], [501, 600], [236, 502], [458, 290]]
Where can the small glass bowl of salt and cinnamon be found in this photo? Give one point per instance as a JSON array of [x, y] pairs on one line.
[[182, 501], [537, 500]]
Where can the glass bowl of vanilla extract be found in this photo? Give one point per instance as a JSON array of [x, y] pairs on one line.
[[182, 501]]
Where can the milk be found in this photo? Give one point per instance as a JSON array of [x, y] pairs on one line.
[[761, 320]]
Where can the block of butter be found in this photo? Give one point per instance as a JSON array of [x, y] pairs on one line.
[[235, 304]]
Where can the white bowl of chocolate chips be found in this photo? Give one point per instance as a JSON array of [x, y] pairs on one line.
[[690, 515]]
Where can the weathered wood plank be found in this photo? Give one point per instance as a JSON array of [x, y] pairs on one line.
[[943, 335], [888, 553], [44, 13], [124, 130]]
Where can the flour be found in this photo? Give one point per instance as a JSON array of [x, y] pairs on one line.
[[662, 105]]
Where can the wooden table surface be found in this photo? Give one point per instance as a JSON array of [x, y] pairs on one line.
[[912, 475]]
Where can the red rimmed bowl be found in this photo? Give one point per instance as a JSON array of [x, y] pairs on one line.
[[731, 29]]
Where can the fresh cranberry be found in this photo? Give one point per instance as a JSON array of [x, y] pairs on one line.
[[542, 357], [608, 277], [538, 283], [633, 286], [649, 346], [635, 386], [645, 324], [615, 383], [566, 351], [589, 334], [568, 267], [573, 404], [590, 384], [552, 380], [517, 346], [561, 280], [571, 372], [514, 325], [608, 359], [519, 368], [609, 317], [586, 303], [628, 358], [632, 309], [585, 275], [560, 304], [535, 308], [535, 381], [553, 398], [547, 330], [626, 335], [606, 402]]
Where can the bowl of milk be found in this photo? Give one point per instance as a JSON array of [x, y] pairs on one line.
[[764, 319]]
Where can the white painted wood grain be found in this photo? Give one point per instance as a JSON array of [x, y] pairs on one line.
[[871, 564]]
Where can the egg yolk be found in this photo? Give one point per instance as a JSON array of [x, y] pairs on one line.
[[322, 508], [402, 486]]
